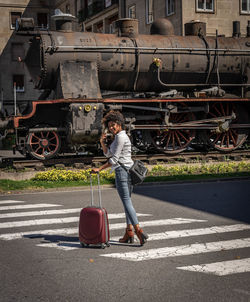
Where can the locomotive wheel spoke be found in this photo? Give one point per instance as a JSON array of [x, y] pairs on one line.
[[227, 139], [173, 140], [212, 114], [232, 137], [179, 132], [222, 109], [169, 136], [178, 139], [34, 136], [164, 136], [223, 137], [219, 113], [178, 118], [38, 149]]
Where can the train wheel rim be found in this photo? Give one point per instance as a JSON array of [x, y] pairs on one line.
[[231, 139], [43, 144], [174, 141]]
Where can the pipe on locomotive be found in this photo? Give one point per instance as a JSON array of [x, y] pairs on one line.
[[125, 60]]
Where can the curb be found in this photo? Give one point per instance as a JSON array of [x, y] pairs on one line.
[[109, 186]]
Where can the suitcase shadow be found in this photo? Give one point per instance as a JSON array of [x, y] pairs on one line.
[[66, 240], [53, 238], [132, 245]]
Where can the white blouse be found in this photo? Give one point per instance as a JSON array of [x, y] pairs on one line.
[[120, 150]]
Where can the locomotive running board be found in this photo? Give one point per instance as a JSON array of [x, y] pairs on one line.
[[189, 126]]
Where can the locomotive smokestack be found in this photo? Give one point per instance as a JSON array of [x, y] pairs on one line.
[[127, 27], [195, 28], [63, 21], [236, 29]]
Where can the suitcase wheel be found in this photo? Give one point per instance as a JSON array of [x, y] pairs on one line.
[[84, 244], [103, 245]]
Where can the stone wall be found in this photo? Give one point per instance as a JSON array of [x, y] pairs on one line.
[[225, 12]]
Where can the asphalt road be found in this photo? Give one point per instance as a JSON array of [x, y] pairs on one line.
[[199, 247]]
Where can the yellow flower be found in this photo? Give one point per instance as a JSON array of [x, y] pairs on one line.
[[157, 62]]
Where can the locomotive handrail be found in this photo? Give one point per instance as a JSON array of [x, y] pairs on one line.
[[224, 50]]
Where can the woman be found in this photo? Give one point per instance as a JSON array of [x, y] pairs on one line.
[[120, 152]]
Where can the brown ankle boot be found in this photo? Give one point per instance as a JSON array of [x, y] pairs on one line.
[[140, 234], [128, 236]]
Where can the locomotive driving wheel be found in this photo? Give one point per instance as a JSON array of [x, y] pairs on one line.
[[43, 144], [174, 141], [229, 139]]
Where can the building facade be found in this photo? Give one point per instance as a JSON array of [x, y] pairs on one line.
[[217, 14], [13, 48]]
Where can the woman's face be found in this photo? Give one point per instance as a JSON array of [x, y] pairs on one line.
[[114, 128]]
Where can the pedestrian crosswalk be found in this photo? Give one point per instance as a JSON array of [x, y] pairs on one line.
[[21, 220]]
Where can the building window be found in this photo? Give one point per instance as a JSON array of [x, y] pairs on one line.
[[245, 6], [98, 27], [132, 12], [170, 7], [67, 9], [205, 5], [17, 52], [42, 20], [108, 3], [13, 17], [149, 11], [111, 24], [18, 80]]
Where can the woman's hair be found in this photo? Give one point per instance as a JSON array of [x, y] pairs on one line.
[[113, 116]]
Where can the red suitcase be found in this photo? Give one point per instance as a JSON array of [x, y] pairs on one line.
[[93, 223]]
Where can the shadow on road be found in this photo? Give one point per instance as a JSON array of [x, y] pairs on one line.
[[229, 199]]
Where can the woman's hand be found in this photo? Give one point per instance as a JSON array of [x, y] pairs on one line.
[[95, 170], [103, 137]]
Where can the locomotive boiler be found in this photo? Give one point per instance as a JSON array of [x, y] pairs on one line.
[[174, 91]]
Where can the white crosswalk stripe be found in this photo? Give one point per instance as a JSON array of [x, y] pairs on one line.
[[18, 224], [61, 245], [222, 268], [63, 211], [29, 206], [39, 213], [10, 201], [181, 250], [12, 209], [195, 232]]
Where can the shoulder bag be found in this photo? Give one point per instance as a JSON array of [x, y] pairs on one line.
[[137, 172]]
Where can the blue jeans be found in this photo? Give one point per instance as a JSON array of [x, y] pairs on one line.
[[124, 188]]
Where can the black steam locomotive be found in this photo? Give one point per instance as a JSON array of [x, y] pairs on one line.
[[174, 91]]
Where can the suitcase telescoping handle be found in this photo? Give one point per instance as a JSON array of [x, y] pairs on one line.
[[92, 191]]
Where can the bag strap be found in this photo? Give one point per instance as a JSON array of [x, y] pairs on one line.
[[122, 165]]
